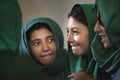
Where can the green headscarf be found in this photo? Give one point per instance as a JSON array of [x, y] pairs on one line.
[[10, 25], [60, 65], [108, 59], [110, 15], [77, 62]]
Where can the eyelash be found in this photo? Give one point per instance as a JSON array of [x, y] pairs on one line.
[[36, 43], [75, 32]]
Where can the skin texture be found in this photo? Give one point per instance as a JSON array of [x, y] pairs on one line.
[[99, 28], [77, 37], [43, 46]]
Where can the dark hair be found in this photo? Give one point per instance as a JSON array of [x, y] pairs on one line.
[[34, 27], [78, 14]]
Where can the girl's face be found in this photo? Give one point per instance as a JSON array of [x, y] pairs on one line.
[[99, 28], [43, 46], [77, 37]]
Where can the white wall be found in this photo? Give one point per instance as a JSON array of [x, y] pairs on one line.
[[55, 9]]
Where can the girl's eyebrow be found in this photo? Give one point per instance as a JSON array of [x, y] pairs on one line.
[[34, 40], [50, 36]]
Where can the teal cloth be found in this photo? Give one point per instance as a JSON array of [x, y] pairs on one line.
[[108, 59], [10, 25], [60, 67]]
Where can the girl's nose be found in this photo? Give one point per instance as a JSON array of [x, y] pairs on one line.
[[70, 38], [97, 27], [45, 46]]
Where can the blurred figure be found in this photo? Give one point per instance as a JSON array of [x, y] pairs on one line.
[[10, 24], [12, 65], [106, 44]]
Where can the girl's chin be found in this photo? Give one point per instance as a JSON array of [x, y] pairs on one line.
[[77, 53]]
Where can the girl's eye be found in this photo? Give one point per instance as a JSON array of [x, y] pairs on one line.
[[100, 22], [35, 43], [50, 39], [67, 30], [99, 19], [75, 31]]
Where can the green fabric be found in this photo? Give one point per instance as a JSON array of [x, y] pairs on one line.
[[60, 67], [108, 59], [15, 67], [85, 62], [91, 20], [110, 12], [10, 25]]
